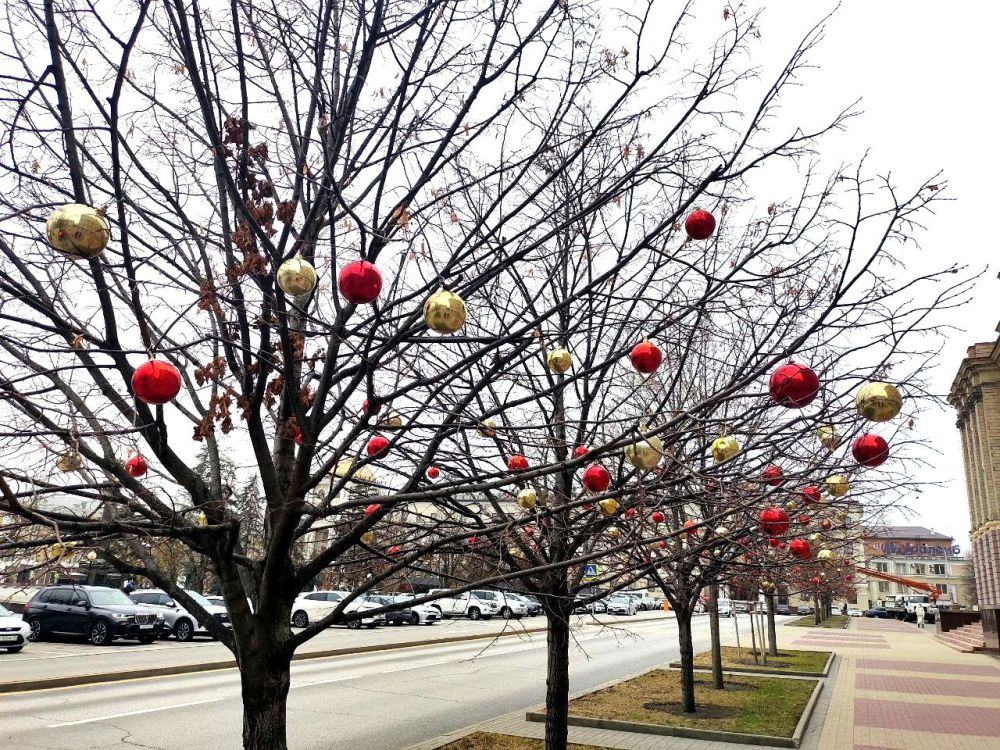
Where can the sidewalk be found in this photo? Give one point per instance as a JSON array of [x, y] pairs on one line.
[[892, 687]]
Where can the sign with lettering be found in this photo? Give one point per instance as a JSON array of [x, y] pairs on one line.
[[884, 548]]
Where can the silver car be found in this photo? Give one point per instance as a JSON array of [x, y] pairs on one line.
[[620, 605], [177, 621]]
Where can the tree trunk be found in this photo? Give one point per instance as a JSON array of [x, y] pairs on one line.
[[557, 679], [713, 622], [817, 616], [772, 631], [265, 676], [687, 660]]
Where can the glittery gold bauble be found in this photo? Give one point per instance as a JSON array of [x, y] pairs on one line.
[[878, 402], [70, 461], [444, 312], [487, 428], [368, 537], [559, 360], [828, 436], [646, 453], [724, 448], [78, 231], [362, 475], [608, 506], [296, 276], [527, 498], [391, 420], [766, 586], [614, 532], [840, 516], [837, 485], [791, 505], [814, 538], [826, 556]]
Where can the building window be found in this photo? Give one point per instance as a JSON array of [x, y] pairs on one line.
[[882, 567], [919, 569], [883, 587], [938, 569], [941, 587], [901, 568]]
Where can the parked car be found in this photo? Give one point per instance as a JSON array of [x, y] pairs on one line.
[[853, 612], [399, 616], [643, 600], [619, 604], [534, 606], [14, 631], [531, 608], [782, 609], [741, 606], [593, 608], [880, 613], [314, 605], [475, 605], [98, 613], [218, 601], [725, 608], [511, 605], [420, 614], [177, 621], [804, 609]]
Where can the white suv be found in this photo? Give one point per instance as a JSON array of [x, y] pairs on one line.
[[475, 605], [177, 621]]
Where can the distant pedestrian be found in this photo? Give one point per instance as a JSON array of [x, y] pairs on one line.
[[921, 616], [129, 587]]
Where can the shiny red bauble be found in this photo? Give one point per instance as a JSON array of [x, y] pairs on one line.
[[804, 520], [517, 462], [629, 513], [826, 524], [646, 357], [773, 542], [156, 381], [815, 580], [529, 530], [773, 520], [580, 451], [848, 578], [472, 540], [377, 446], [136, 466], [433, 472], [658, 517], [800, 548], [688, 524], [368, 409], [870, 450], [360, 282], [373, 508], [393, 550], [699, 225], [793, 385], [772, 475], [662, 544], [596, 478], [811, 494], [781, 545]]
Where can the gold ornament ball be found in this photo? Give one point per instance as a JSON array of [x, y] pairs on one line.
[[840, 516], [444, 312], [368, 537], [91, 556], [826, 556], [791, 505], [608, 506], [487, 428], [527, 498], [78, 231], [837, 485], [391, 421], [878, 402], [614, 532], [645, 454], [722, 531], [725, 448], [559, 360], [828, 436], [814, 538], [296, 276], [71, 461], [766, 586], [362, 475]]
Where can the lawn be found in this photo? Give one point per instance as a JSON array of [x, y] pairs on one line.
[[794, 661], [749, 704], [809, 621], [490, 741]]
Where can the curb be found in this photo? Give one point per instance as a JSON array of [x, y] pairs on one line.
[[775, 672], [212, 666]]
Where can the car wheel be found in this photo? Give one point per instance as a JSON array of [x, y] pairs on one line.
[[474, 614], [505, 613], [353, 624], [183, 630], [100, 633], [37, 632], [414, 618], [300, 619]]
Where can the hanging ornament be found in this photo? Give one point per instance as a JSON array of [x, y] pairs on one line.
[[377, 446], [646, 453], [472, 541], [371, 409], [393, 550], [368, 537], [614, 532], [373, 508], [815, 538], [296, 276], [444, 312], [725, 448], [815, 580], [361, 475], [837, 485], [69, 461], [773, 542], [699, 225], [517, 462], [811, 494], [608, 506], [78, 231], [630, 513], [878, 402], [527, 498], [766, 586], [799, 549], [791, 506], [828, 437], [201, 519], [529, 530], [136, 466], [826, 524], [360, 282], [596, 478], [391, 420], [559, 360], [793, 385], [487, 428], [773, 475], [870, 450], [804, 520], [722, 531], [580, 451], [848, 578], [156, 382], [433, 472], [646, 357], [658, 517], [773, 521]]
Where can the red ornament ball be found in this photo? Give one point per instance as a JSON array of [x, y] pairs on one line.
[[800, 549], [781, 545], [136, 466], [517, 462], [804, 520], [472, 540], [658, 517], [773, 475], [826, 524], [663, 544], [433, 472], [529, 530], [370, 408], [629, 513], [373, 508], [156, 382], [870, 450], [811, 494], [773, 521], [596, 478], [794, 385], [699, 225], [360, 282], [848, 578], [773, 542], [580, 451], [646, 357], [377, 446], [393, 550], [815, 580]]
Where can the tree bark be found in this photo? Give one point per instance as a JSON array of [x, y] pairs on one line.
[[713, 622], [557, 679], [772, 631], [817, 617], [265, 676], [687, 660]]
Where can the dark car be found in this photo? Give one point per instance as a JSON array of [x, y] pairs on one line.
[[880, 613], [96, 613], [393, 616], [804, 609], [534, 606], [782, 609]]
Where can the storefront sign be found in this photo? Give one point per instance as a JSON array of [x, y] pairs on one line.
[[879, 548]]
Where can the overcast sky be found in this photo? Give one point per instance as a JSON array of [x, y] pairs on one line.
[[923, 71]]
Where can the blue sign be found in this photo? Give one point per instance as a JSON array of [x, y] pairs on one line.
[[590, 570]]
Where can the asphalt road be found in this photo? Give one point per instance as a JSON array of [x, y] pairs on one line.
[[378, 700]]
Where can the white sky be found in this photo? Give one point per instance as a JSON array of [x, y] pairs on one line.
[[923, 72]]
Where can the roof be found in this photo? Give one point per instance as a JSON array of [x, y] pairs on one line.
[[905, 532]]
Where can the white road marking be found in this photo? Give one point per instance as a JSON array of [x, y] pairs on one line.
[[132, 713]]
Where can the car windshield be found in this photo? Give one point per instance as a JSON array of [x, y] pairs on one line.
[[380, 600], [488, 595], [198, 598], [4, 612], [108, 597]]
